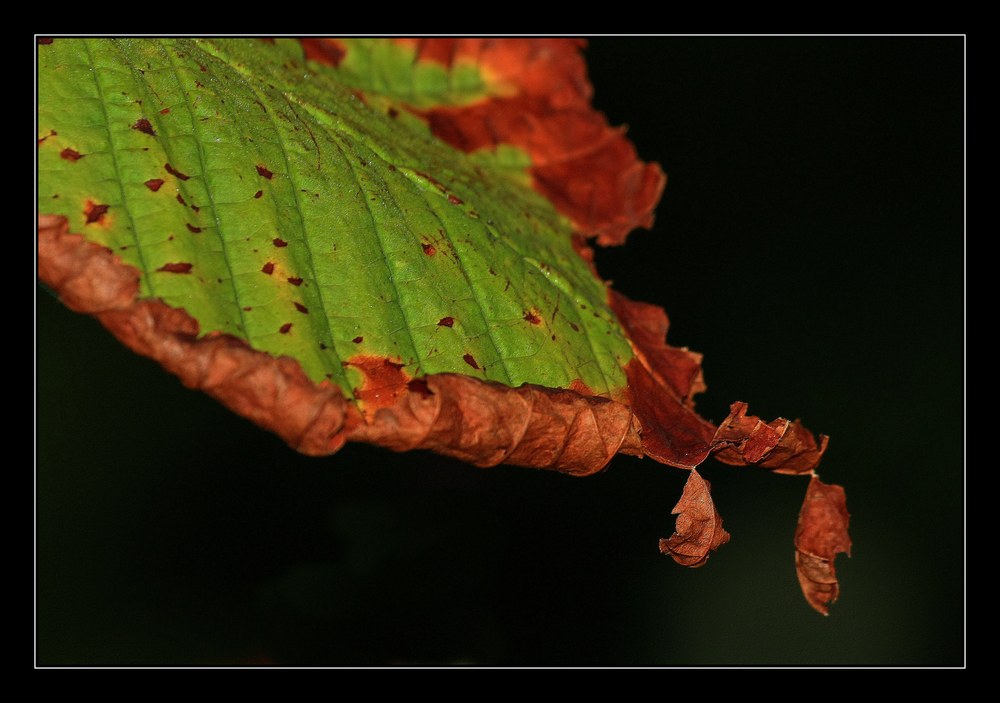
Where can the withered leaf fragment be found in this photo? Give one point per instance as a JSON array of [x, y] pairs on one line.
[[820, 536], [699, 527]]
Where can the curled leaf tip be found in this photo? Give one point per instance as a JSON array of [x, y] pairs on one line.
[[699, 527], [820, 536]]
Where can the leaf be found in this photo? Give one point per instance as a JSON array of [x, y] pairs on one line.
[[379, 241], [820, 536], [699, 527]]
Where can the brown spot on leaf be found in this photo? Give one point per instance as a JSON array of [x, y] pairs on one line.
[[44, 41], [358, 340], [154, 184], [192, 228], [248, 308], [263, 170], [699, 527], [285, 328], [165, 111], [144, 126], [532, 317], [181, 200], [295, 280], [180, 267], [279, 242], [454, 199], [258, 194], [446, 321], [821, 535], [429, 249], [174, 172], [420, 387], [575, 327], [71, 154], [94, 212], [302, 308], [393, 112], [52, 133], [267, 268], [471, 361]]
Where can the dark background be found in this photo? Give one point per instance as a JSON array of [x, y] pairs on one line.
[[810, 243]]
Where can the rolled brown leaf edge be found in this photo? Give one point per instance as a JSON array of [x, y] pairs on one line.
[[478, 422]]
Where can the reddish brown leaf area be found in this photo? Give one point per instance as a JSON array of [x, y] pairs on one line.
[[279, 242], [263, 171], [385, 381], [699, 527], [328, 51], [295, 280], [71, 154], [267, 268], [358, 340], [588, 170], [302, 308], [285, 328], [471, 361], [820, 536], [661, 382], [429, 249], [532, 317], [154, 184], [258, 194], [455, 200], [93, 212], [472, 420], [144, 126], [179, 267], [44, 41], [784, 447], [174, 172], [446, 321], [192, 228]]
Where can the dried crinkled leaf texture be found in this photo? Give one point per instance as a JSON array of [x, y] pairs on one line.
[[783, 446], [699, 527], [820, 536], [291, 238], [476, 421]]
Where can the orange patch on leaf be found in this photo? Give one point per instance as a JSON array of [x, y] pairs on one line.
[[384, 380]]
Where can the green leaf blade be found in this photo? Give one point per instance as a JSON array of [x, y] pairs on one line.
[[315, 226]]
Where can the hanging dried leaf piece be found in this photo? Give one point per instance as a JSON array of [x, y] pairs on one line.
[[821, 535], [699, 527]]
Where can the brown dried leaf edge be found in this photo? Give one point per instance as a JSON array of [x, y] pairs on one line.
[[476, 421]]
